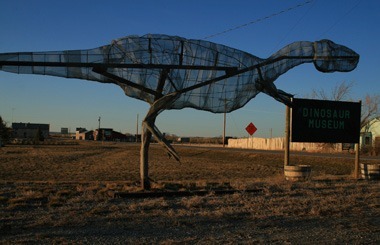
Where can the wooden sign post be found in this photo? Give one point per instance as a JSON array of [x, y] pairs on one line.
[[287, 136]]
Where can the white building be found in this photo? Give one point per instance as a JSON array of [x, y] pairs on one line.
[[370, 134]]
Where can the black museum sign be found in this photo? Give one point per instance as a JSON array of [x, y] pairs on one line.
[[325, 121]]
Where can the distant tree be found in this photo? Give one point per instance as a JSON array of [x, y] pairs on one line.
[[5, 133], [370, 105], [370, 109], [340, 92]]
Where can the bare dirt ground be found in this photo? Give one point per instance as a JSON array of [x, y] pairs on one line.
[[69, 194]]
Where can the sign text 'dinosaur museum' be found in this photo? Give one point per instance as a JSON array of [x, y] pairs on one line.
[[325, 121]]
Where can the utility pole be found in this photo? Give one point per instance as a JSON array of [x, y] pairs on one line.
[[137, 128], [99, 128]]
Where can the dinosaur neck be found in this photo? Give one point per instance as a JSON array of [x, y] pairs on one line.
[[286, 58]]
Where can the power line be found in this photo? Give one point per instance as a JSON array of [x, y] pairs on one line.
[[341, 18], [259, 20], [291, 29]]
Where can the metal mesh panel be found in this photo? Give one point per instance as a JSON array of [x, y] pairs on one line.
[[206, 76]]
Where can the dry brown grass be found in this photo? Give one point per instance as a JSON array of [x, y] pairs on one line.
[[66, 193]]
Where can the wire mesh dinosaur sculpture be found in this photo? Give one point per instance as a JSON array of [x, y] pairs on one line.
[[171, 72]]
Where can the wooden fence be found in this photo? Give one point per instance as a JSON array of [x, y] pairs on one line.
[[279, 144]]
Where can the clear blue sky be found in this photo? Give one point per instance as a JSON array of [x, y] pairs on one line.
[[45, 25]]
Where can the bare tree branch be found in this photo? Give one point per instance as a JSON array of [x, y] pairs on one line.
[[370, 105], [342, 91], [370, 110]]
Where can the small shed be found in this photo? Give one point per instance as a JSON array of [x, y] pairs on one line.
[[83, 134]]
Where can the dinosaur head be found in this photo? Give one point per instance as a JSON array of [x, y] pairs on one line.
[[330, 57]]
